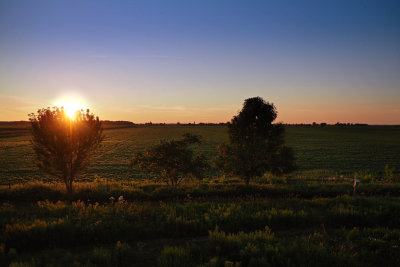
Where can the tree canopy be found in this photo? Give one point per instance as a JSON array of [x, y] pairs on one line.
[[256, 145], [63, 145]]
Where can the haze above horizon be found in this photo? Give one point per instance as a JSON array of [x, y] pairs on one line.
[[170, 61]]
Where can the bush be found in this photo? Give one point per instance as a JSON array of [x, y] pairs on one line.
[[172, 161], [172, 256]]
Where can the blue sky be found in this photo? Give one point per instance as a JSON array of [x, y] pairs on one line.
[[169, 61]]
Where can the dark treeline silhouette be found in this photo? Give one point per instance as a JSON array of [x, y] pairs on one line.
[[105, 123], [15, 123], [181, 124], [323, 124], [116, 124], [113, 124]]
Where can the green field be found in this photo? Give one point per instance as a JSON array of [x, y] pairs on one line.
[[325, 151], [300, 220]]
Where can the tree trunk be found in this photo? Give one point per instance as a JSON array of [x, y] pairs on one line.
[[247, 181]]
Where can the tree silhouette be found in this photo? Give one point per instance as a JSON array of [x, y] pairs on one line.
[[172, 161], [63, 145], [255, 144]]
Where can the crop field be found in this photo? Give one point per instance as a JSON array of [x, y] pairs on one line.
[[321, 151], [117, 217]]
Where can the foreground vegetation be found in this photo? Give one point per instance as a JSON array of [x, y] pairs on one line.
[[219, 188], [219, 222]]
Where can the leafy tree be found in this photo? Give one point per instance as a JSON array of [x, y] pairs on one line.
[[63, 145], [255, 144], [172, 161]]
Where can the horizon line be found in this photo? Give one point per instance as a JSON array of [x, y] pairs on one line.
[[219, 123]]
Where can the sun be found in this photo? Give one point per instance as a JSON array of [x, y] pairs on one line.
[[71, 102], [71, 107]]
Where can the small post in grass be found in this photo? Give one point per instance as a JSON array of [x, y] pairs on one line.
[[355, 186]]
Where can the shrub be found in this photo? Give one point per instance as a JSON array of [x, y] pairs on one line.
[[172, 161]]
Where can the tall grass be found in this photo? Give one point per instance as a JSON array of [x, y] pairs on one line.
[[207, 189], [47, 224], [355, 247]]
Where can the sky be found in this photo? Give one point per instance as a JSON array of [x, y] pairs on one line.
[[197, 61]]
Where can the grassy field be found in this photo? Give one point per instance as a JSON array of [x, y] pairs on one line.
[[321, 151], [300, 220], [207, 224]]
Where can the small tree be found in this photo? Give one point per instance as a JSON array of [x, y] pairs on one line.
[[172, 161], [255, 144], [62, 144]]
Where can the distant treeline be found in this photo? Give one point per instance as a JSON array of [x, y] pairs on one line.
[[115, 124], [112, 124], [105, 123], [14, 123], [226, 123], [322, 124], [181, 124]]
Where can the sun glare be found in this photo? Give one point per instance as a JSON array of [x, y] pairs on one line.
[[71, 102], [71, 108]]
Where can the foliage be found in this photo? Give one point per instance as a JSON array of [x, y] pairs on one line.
[[390, 174], [255, 144], [366, 247], [228, 188], [46, 224], [364, 177], [28, 228], [63, 145], [114, 255], [174, 257], [172, 160]]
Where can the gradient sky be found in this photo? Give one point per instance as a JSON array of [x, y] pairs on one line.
[[169, 61]]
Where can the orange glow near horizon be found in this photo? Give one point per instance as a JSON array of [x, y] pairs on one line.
[[288, 112]]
